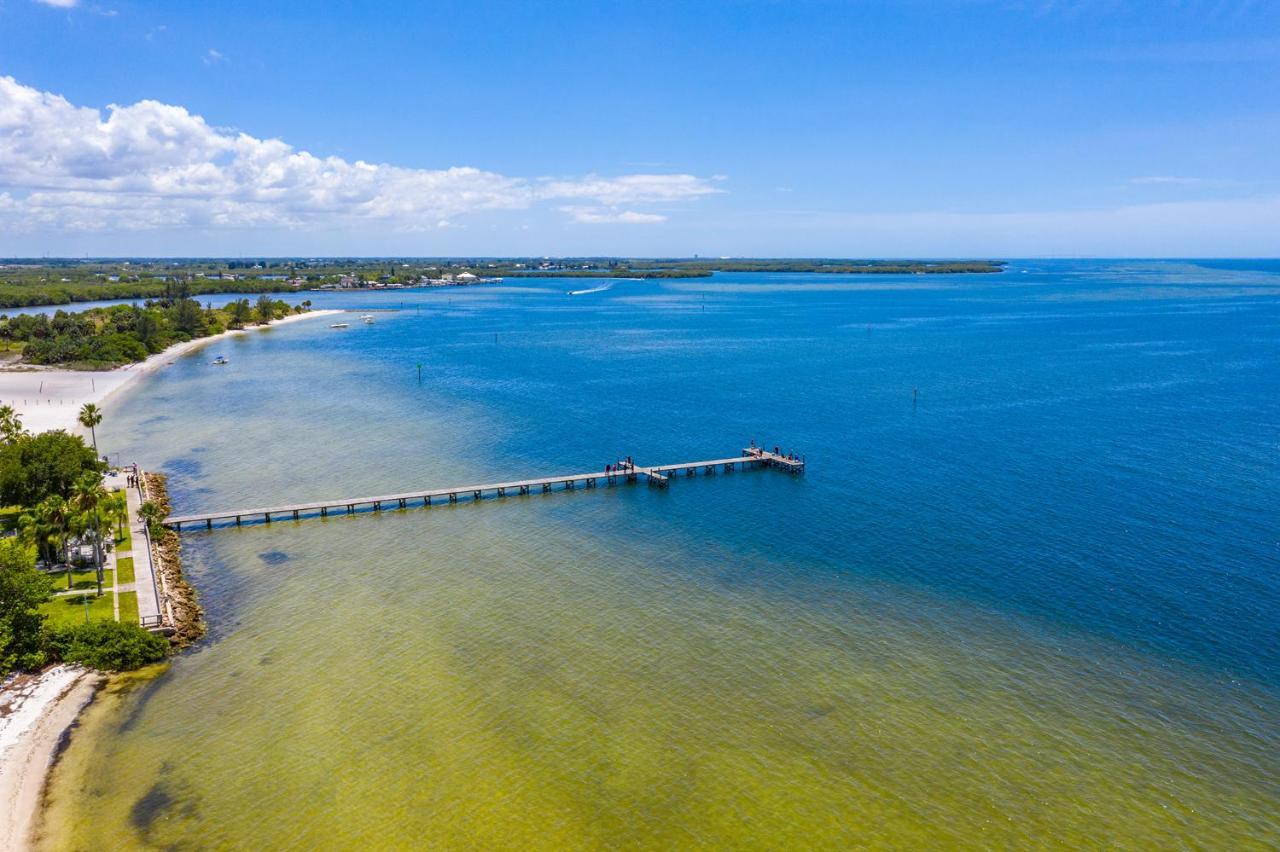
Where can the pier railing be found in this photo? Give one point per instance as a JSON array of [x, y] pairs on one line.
[[656, 475]]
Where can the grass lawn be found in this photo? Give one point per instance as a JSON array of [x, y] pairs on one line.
[[87, 579], [129, 608], [9, 517], [70, 609], [125, 544], [124, 569]]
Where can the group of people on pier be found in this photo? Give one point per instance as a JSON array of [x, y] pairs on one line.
[[624, 466], [777, 451]]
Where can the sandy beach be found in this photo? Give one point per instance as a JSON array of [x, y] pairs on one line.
[[51, 398], [37, 710], [35, 713]]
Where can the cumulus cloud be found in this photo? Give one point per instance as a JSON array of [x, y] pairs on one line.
[[153, 165], [59, 4]]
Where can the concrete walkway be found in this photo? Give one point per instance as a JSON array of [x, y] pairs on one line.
[[144, 575]]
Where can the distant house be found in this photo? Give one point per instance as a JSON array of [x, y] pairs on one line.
[[466, 278]]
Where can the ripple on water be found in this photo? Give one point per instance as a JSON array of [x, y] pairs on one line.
[[1029, 607]]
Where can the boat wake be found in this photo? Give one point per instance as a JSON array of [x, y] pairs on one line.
[[599, 289]]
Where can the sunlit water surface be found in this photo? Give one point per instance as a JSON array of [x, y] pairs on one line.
[[1036, 602]]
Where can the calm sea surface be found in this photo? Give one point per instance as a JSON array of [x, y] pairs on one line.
[[1036, 601]]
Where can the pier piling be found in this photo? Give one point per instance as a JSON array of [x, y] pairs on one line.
[[658, 476]]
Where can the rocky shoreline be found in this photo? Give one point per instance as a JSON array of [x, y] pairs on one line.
[[180, 602]]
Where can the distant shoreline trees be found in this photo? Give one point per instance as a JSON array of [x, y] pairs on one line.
[[101, 338]]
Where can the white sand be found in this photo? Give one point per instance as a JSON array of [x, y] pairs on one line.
[[35, 711], [51, 399]]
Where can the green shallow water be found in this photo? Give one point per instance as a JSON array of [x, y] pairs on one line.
[[503, 697], [1039, 609]]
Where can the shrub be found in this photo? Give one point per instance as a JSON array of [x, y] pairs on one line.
[[108, 645], [22, 590]]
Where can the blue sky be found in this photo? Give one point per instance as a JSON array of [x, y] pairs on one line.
[[949, 128]]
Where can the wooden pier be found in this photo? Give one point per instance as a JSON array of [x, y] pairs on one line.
[[655, 475]]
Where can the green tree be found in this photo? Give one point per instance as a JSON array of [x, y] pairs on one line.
[[89, 499], [152, 515], [22, 590], [240, 312], [147, 327], [10, 425], [35, 467], [90, 417], [46, 526], [118, 511], [188, 318], [266, 308]]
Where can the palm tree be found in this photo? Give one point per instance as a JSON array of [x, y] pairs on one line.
[[47, 525], [10, 424], [89, 497], [118, 511], [150, 514], [90, 417]]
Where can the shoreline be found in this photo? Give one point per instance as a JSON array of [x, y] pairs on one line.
[[50, 398], [39, 711], [36, 713]]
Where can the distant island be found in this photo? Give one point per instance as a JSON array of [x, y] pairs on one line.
[[33, 282]]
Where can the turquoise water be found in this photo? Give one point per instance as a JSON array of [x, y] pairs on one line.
[[1026, 591]]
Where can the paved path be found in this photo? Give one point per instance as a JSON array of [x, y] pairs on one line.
[[144, 575]]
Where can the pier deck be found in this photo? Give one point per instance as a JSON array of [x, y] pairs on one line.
[[657, 475]]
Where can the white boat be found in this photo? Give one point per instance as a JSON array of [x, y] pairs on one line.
[[368, 318], [220, 360], [340, 325]]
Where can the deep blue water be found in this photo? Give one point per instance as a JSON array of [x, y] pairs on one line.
[[1093, 443]]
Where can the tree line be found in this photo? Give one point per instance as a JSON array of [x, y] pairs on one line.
[[122, 334], [55, 481]]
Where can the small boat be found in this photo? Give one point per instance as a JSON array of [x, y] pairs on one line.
[[340, 325], [368, 318], [599, 289], [220, 360]]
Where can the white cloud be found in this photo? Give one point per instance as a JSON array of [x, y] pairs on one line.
[[611, 216], [151, 165], [59, 4], [213, 56], [628, 189]]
